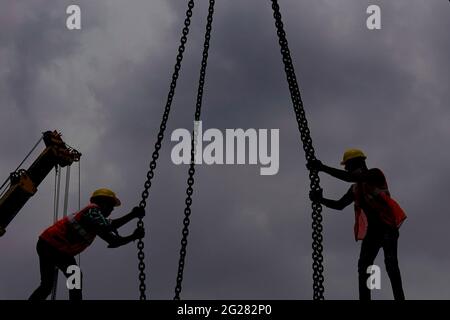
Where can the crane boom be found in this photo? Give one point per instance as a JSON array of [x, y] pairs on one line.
[[24, 183]]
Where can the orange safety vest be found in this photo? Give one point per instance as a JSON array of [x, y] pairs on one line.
[[379, 200], [68, 235]]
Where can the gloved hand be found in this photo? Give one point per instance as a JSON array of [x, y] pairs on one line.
[[139, 233], [315, 165], [316, 196], [138, 212]]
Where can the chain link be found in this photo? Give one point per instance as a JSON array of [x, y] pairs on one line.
[[317, 247], [158, 144], [191, 172]]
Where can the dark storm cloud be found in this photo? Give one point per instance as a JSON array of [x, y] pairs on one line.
[[105, 88], [32, 50]]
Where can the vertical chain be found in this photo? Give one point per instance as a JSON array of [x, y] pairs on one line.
[[160, 137], [191, 171], [297, 102]]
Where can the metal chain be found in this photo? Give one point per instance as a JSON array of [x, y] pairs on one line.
[[191, 171], [160, 137], [318, 278]]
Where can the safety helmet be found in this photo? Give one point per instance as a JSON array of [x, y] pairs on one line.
[[352, 154], [104, 192]]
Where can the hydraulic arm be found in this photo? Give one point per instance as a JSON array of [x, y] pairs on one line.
[[24, 183]]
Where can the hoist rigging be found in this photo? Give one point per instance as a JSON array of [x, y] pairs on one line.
[[318, 279], [56, 216], [158, 144], [22, 184], [194, 142]]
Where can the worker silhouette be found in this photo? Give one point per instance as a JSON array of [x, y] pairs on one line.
[[377, 216], [58, 244]]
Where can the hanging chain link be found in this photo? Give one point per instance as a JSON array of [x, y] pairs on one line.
[[194, 142], [318, 278], [155, 155]]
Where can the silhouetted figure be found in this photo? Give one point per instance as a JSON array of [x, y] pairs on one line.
[[59, 244], [377, 216]]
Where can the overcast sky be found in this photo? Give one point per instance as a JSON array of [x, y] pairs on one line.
[[104, 87]]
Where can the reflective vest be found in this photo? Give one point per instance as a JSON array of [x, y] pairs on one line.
[[378, 200], [68, 235]]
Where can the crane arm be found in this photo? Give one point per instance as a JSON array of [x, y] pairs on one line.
[[24, 183]]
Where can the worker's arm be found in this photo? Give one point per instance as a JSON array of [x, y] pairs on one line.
[[104, 229], [337, 173], [137, 212], [114, 240], [347, 199]]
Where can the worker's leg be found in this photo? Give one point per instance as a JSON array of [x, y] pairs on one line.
[[47, 269], [390, 241], [369, 250], [63, 263]]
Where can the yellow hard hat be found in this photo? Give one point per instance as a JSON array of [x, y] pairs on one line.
[[352, 154], [104, 192]]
